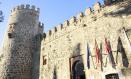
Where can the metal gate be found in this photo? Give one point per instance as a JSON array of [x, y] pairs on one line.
[[112, 76]]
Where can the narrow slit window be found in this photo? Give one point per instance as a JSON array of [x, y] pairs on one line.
[[10, 35], [44, 60]]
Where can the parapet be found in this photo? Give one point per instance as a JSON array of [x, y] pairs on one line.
[[41, 25], [60, 27], [88, 11], [66, 23], [53, 31], [72, 20], [80, 15], [97, 7], [25, 7], [75, 21], [49, 33]]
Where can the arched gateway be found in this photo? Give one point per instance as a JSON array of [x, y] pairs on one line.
[[78, 70]]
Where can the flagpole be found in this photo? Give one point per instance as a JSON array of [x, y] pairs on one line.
[[128, 42], [117, 57], [109, 51], [101, 57], [92, 60]]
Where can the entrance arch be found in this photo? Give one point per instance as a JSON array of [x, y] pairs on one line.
[[78, 70]]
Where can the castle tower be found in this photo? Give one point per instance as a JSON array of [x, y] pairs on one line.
[[20, 44]]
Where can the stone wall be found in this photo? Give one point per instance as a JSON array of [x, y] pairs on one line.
[[70, 39], [67, 43], [19, 45]]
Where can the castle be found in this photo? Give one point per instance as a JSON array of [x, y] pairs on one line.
[[92, 45]]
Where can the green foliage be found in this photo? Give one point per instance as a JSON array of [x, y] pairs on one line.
[[1, 15]]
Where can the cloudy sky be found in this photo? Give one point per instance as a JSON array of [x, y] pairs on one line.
[[52, 12]]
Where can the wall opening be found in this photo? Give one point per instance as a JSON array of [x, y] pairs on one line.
[[112, 76], [10, 35], [44, 60], [78, 70]]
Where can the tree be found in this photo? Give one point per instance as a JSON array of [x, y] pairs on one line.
[[1, 15]]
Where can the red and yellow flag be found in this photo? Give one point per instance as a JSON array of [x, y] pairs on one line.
[[97, 51]]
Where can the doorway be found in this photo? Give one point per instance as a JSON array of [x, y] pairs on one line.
[[78, 70]]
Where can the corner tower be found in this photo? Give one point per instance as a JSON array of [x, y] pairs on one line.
[[20, 43]]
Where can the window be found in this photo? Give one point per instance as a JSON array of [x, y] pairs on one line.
[[44, 60], [10, 35], [11, 27], [112, 76]]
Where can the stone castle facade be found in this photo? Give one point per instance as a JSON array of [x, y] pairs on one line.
[[75, 49], [21, 44]]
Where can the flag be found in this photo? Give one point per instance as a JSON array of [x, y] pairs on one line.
[[97, 51], [109, 52], [88, 56], [121, 49]]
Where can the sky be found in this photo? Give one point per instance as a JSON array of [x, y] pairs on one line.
[[52, 12]]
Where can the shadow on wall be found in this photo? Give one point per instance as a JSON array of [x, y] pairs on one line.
[[121, 50], [36, 45], [55, 73], [76, 63], [124, 9], [1, 56], [77, 50]]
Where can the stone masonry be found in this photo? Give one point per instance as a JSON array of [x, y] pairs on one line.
[[67, 43], [21, 48], [64, 50]]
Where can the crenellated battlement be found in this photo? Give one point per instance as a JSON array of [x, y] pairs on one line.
[[97, 7], [88, 11], [66, 23], [53, 31], [73, 21], [29, 56], [90, 15], [41, 25], [25, 7], [59, 27], [80, 15], [49, 33]]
